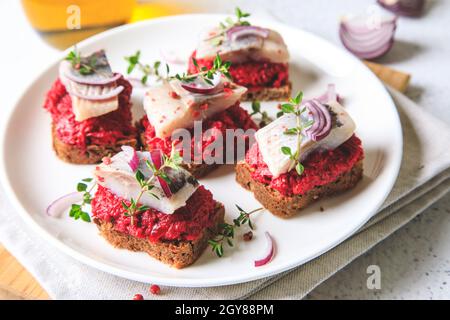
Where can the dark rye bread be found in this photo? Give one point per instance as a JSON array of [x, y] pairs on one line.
[[178, 254], [268, 94], [198, 170], [287, 206], [91, 154]]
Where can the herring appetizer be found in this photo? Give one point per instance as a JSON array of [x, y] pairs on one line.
[[146, 202], [90, 109], [308, 153], [208, 99], [258, 55]]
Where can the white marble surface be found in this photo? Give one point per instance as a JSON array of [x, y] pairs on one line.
[[414, 262]]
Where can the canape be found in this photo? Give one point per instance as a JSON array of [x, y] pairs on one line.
[[207, 109], [145, 202], [258, 55], [90, 109], [309, 153]]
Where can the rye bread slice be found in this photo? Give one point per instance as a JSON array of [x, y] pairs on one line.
[[287, 206], [268, 94], [91, 154], [178, 254]]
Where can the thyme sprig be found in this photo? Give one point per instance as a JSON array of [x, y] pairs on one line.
[[147, 70], [207, 74], [77, 210], [256, 110], [294, 106], [228, 24], [84, 66], [227, 231], [147, 185]]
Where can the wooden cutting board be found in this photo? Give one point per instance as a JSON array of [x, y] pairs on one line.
[[17, 283]]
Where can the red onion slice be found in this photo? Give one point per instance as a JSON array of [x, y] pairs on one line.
[[157, 159], [238, 32], [199, 85], [268, 253], [330, 95], [367, 42], [133, 159], [111, 94], [410, 8], [321, 126], [63, 203], [93, 81]]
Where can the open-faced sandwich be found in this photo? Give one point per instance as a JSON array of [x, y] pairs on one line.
[[308, 153], [90, 109], [146, 202], [203, 106], [258, 55]]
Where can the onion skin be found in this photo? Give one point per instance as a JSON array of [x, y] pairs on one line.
[[408, 8], [270, 251], [157, 159], [133, 161], [365, 42], [62, 203]]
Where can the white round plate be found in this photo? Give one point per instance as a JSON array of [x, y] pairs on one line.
[[33, 176]]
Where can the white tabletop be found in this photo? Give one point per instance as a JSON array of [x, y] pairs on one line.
[[415, 262]]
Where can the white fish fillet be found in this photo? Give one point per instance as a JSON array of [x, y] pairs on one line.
[[120, 180], [271, 49], [166, 114], [271, 138]]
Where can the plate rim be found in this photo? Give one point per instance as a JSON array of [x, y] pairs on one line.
[[175, 281]]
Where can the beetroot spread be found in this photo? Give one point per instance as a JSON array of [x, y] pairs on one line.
[[233, 118], [186, 223], [251, 74], [103, 130], [320, 168]]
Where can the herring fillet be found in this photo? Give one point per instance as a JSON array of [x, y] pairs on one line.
[[120, 180], [167, 114], [271, 138]]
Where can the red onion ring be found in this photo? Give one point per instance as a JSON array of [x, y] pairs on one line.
[[112, 94], [157, 159], [202, 87], [366, 42], [329, 95], [62, 203], [410, 8], [133, 159], [321, 126], [234, 33], [269, 253]]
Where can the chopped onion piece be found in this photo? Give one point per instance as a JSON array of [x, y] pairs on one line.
[[61, 204], [330, 95], [321, 117], [411, 8], [268, 253], [238, 32], [199, 85], [133, 159], [157, 159]]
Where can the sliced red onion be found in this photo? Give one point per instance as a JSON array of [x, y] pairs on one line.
[[63, 203], [411, 8], [321, 117], [91, 80], [133, 159], [157, 159], [111, 94], [237, 32], [199, 85], [268, 253], [330, 95], [365, 41]]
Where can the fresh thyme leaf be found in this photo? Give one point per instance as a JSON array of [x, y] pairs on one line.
[[85, 216], [81, 187], [299, 168], [286, 150], [87, 179]]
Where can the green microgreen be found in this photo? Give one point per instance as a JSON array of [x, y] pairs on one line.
[[146, 69], [295, 107], [227, 231], [77, 210], [256, 110]]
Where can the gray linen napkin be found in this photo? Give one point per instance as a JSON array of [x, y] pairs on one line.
[[423, 179]]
